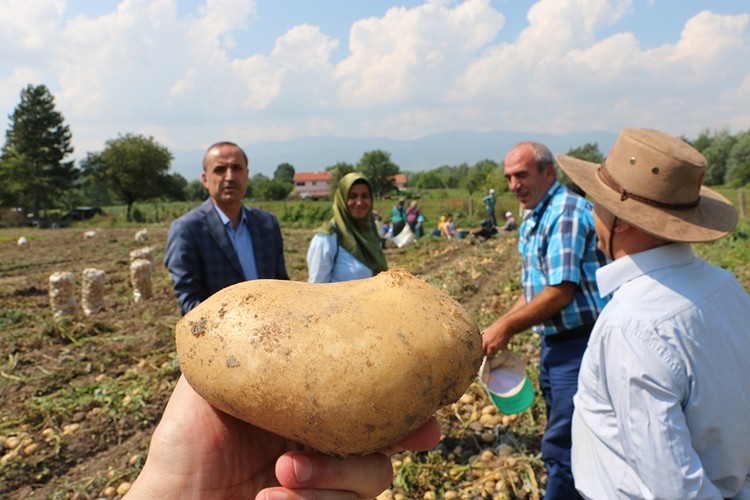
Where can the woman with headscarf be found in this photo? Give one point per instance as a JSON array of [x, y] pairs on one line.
[[347, 247]]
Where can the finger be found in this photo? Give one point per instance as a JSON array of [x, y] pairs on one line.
[[488, 349], [365, 476], [287, 494], [424, 438]]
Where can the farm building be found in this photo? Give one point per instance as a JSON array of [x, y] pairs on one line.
[[312, 184], [318, 184], [399, 180]]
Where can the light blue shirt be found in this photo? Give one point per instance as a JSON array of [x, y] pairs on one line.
[[663, 396], [325, 266], [242, 243]]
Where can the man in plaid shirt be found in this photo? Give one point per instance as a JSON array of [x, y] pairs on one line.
[[560, 300]]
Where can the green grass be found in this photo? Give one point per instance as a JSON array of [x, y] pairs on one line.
[[731, 253], [467, 210]]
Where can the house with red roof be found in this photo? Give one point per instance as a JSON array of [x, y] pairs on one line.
[[316, 185], [312, 185], [400, 181]]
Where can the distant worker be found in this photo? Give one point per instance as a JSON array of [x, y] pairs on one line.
[[412, 215], [510, 223], [440, 227], [419, 227], [489, 207], [398, 217], [449, 228]]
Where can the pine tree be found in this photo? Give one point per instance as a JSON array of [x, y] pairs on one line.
[[31, 164]]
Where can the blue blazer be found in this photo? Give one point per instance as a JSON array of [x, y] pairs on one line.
[[201, 258]]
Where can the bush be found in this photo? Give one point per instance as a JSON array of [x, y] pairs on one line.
[[137, 215], [304, 214]]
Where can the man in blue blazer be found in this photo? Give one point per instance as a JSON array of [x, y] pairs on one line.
[[222, 242]]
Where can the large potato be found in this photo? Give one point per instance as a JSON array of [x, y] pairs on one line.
[[346, 368]]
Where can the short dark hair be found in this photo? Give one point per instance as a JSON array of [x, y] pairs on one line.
[[224, 143]]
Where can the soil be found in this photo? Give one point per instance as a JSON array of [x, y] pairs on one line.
[[81, 394]]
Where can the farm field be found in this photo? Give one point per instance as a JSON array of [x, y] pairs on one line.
[[82, 395]]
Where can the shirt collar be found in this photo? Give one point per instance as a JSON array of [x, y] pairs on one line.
[[225, 219], [615, 274], [541, 206], [533, 215]]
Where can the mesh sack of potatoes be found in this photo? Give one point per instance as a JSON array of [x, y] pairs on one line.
[[140, 279], [62, 297], [92, 296], [143, 253]]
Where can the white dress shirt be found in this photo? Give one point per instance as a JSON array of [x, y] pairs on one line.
[[327, 262], [663, 403]]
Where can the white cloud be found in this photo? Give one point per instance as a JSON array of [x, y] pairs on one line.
[[707, 41], [147, 67], [28, 25], [140, 67], [558, 76], [299, 65], [388, 54], [525, 68]]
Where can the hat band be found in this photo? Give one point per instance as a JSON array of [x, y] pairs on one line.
[[607, 178]]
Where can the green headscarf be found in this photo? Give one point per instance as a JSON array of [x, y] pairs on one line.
[[359, 237]]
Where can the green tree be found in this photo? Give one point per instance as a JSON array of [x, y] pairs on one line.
[[738, 164], [282, 183], [175, 187], [588, 152], [703, 141], [195, 190], [94, 192], [480, 176], [338, 170], [379, 169], [32, 169], [450, 176], [426, 180], [717, 157], [284, 173], [268, 189], [134, 168]]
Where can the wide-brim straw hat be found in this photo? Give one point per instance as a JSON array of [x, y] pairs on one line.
[[653, 181]]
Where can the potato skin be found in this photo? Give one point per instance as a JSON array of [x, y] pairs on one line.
[[345, 368]]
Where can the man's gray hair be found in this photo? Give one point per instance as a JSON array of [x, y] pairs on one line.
[[542, 155]]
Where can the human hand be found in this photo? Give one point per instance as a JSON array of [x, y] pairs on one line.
[[198, 451], [495, 338]]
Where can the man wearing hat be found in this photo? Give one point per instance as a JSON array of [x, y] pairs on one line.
[[663, 400], [510, 223], [560, 301], [489, 207]]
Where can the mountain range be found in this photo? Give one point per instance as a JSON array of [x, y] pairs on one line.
[[312, 154]]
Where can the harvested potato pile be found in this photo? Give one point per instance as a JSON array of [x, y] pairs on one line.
[[346, 368]]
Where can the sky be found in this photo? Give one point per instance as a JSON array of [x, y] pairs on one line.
[[189, 73]]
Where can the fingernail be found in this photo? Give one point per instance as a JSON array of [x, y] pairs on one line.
[[275, 495], [303, 469]]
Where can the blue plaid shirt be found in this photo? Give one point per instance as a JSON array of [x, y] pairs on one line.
[[557, 242]]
